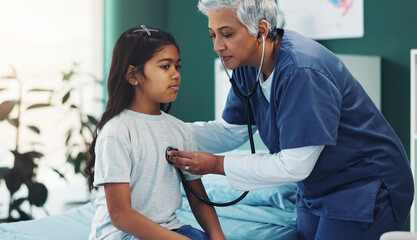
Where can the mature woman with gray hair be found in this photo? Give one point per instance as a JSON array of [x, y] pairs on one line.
[[321, 128]]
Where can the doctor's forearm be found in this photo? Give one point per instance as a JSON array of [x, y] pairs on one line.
[[257, 171]]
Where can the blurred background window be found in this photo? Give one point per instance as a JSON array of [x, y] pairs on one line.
[[41, 40]]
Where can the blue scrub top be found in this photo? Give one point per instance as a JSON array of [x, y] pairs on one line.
[[315, 100]]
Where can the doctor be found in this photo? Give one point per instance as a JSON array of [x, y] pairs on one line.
[[320, 126]]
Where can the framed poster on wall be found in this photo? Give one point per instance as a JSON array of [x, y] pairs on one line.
[[323, 19]]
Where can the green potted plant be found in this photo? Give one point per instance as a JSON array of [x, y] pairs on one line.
[[77, 140], [80, 134], [23, 171]]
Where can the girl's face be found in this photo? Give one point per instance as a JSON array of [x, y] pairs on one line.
[[162, 80], [231, 39]]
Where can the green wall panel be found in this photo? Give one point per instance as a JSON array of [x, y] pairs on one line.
[[120, 15], [196, 97]]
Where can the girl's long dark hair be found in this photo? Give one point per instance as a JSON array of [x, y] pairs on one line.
[[134, 47]]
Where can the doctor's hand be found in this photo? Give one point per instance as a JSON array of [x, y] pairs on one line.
[[197, 162]]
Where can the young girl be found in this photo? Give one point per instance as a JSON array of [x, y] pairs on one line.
[[138, 190]]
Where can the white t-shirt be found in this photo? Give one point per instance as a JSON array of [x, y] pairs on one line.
[[130, 148]]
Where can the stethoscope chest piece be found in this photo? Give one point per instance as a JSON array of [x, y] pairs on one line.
[[187, 185], [166, 154]]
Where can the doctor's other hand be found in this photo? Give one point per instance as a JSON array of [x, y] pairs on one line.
[[197, 162]]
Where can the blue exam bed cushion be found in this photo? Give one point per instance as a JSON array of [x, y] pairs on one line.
[[262, 214]]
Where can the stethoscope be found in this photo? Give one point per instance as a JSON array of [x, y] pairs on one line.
[[246, 98]]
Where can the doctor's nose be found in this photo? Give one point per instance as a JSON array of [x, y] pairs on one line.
[[218, 45]]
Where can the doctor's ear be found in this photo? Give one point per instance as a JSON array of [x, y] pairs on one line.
[[262, 29]]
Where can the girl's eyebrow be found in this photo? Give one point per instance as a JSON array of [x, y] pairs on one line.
[[169, 59]]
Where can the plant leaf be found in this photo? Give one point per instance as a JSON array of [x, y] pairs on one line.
[[67, 76], [86, 125], [5, 108], [14, 121], [3, 171], [92, 119], [16, 206], [68, 138], [33, 154], [34, 129], [59, 173], [38, 105], [23, 216], [78, 162], [13, 180], [25, 164], [37, 194], [70, 159], [66, 97], [40, 90], [16, 203]]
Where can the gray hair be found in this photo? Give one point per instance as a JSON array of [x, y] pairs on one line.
[[249, 12]]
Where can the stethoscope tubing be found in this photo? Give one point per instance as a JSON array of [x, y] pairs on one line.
[[246, 98]]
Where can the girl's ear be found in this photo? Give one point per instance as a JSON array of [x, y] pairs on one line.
[[131, 76]]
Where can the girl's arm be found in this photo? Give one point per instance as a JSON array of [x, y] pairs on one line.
[[205, 214], [126, 219]]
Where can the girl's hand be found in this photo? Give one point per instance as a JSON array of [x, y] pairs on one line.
[[197, 162]]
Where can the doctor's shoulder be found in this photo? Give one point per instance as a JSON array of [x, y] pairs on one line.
[[298, 51]]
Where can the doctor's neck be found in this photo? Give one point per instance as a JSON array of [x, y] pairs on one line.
[[271, 49]]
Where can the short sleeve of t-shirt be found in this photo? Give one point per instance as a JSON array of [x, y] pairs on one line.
[[308, 109], [113, 161]]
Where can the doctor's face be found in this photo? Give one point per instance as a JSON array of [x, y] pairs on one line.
[[232, 40]]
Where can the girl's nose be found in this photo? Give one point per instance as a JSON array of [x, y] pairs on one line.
[[176, 76]]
